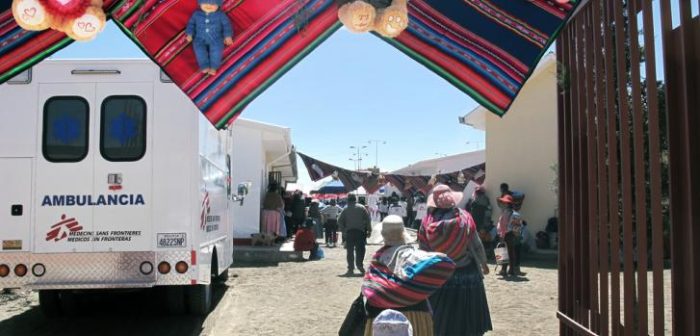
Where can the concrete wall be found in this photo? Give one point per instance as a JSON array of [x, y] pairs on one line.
[[248, 165], [522, 146]]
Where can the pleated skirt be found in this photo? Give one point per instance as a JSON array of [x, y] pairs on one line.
[[460, 307], [271, 221], [421, 321]]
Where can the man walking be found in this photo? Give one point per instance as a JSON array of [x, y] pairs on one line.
[[330, 220], [355, 224]]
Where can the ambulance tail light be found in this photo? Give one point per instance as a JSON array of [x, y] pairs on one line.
[[38, 270], [146, 268], [164, 267], [4, 270], [181, 267], [21, 270]]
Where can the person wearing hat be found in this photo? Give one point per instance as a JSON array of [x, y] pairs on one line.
[[416, 315], [391, 323], [356, 225], [506, 203], [209, 29], [305, 239], [460, 306]]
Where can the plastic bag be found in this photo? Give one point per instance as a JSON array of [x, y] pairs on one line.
[[501, 252]]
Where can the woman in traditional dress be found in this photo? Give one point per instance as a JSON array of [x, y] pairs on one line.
[[401, 277], [272, 205], [460, 306]]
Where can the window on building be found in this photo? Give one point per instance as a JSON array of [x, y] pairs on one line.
[[65, 132], [123, 128]]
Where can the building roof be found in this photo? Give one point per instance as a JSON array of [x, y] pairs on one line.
[[476, 118], [280, 153], [447, 164]]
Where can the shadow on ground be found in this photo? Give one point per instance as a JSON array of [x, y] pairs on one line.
[[139, 312]]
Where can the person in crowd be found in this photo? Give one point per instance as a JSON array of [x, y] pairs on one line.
[[396, 208], [410, 212], [287, 196], [514, 242], [460, 306], [391, 323], [356, 226], [273, 204], [362, 200], [298, 211], [505, 190], [305, 238], [421, 209], [330, 215], [383, 209], [386, 259], [480, 207], [506, 203], [315, 214]]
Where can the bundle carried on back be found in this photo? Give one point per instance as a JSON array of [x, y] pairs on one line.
[[402, 276]]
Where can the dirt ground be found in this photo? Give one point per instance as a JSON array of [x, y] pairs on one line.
[[295, 298]]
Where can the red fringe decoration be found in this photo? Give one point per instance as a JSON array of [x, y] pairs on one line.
[[71, 10]]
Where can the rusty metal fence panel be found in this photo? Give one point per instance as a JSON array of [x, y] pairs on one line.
[[629, 152]]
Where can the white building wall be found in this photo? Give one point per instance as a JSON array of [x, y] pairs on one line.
[[248, 165], [522, 146]]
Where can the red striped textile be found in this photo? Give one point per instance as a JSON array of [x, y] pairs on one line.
[[412, 276], [450, 236]]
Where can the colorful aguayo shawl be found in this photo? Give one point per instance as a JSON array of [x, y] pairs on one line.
[[486, 48], [450, 236], [403, 276]]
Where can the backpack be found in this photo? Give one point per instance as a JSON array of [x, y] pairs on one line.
[[518, 199]]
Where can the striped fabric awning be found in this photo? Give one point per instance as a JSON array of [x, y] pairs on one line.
[[486, 48]]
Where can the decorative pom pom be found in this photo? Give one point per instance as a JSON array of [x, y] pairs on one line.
[[66, 9]]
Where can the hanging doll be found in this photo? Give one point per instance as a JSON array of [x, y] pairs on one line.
[[209, 28]]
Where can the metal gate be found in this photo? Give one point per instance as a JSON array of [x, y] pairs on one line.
[[629, 153]]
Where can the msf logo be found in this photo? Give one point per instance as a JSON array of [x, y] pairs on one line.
[[62, 229]]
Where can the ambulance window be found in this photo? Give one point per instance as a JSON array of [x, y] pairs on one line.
[[65, 133], [123, 128]]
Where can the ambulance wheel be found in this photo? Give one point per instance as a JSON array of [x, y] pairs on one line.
[[175, 300], [223, 277], [215, 276], [50, 303], [199, 299]]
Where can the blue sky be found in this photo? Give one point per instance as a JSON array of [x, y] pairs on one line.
[[351, 89]]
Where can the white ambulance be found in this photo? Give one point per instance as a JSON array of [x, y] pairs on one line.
[[111, 178]]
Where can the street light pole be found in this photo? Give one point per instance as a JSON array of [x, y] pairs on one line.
[[376, 150], [358, 155]]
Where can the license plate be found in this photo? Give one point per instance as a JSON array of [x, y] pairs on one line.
[[166, 240]]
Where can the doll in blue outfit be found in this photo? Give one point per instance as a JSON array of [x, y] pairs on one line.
[[210, 29]]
